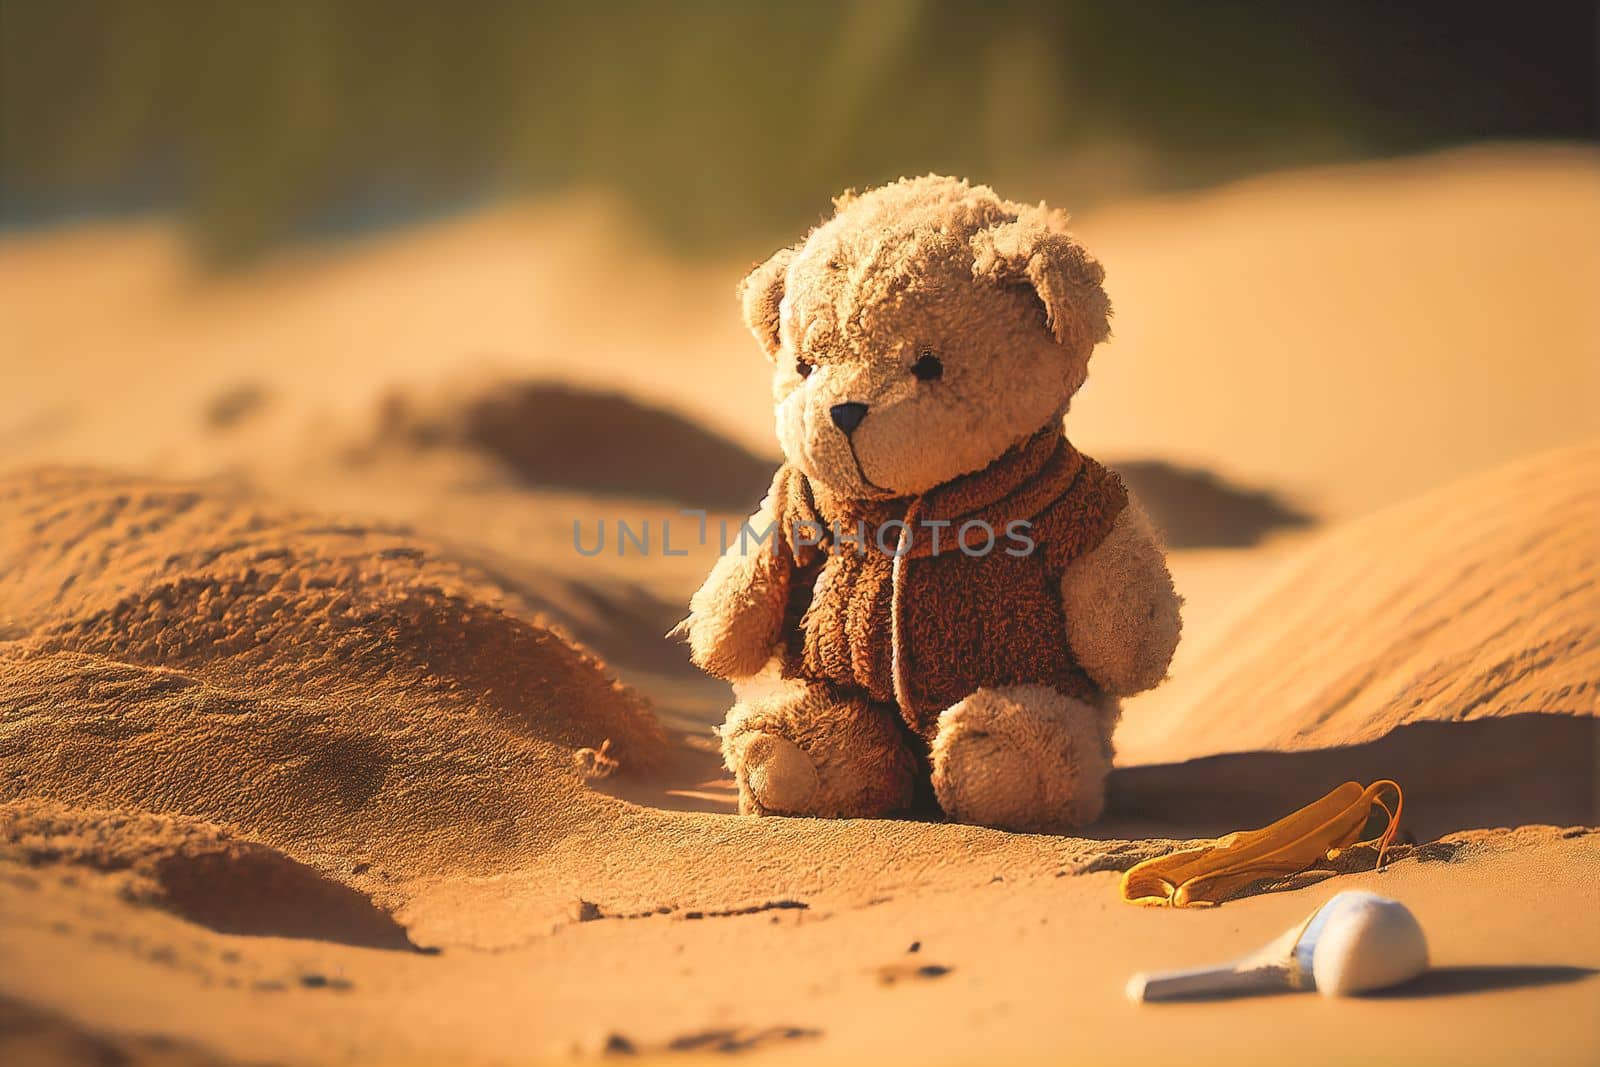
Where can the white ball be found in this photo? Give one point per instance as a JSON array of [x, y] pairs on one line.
[[1368, 943]]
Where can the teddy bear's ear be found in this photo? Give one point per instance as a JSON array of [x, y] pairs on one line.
[[1060, 272], [761, 293]]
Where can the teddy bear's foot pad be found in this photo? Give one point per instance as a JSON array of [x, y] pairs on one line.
[[811, 750], [779, 775], [1021, 758]]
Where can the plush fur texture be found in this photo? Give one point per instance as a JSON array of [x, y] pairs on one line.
[[955, 327], [736, 617], [810, 749], [1122, 612], [1022, 758]]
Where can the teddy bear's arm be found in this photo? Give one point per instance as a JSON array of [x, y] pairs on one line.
[[1121, 609], [736, 617]]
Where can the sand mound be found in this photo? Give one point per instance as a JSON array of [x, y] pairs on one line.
[[328, 688], [198, 871], [548, 434], [1480, 600]]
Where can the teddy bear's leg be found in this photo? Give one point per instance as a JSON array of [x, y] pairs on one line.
[[1023, 757], [808, 749]]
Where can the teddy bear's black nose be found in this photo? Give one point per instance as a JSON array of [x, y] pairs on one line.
[[848, 416]]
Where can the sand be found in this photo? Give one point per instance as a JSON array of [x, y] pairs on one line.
[[1477, 600], [320, 743]]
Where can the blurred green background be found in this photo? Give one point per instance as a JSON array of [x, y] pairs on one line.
[[725, 122]]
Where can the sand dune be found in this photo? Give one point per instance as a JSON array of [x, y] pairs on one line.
[[336, 687], [549, 434], [232, 703], [1478, 600]]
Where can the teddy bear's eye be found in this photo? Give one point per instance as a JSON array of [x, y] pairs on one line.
[[927, 368], [804, 369]]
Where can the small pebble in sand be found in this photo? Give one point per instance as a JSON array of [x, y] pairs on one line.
[[617, 1045]]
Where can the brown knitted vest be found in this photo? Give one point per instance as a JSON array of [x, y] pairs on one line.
[[923, 624]]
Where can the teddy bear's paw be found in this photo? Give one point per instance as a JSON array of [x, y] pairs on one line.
[[808, 749], [1021, 758], [775, 776]]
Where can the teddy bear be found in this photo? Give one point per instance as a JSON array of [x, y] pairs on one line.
[[940, 599]]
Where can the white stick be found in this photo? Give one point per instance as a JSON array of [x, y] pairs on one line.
[[1230, 979]]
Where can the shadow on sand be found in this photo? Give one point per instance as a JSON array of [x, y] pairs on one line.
[[1449, 981], [1194, 508], [555, 435], [1516, 770]]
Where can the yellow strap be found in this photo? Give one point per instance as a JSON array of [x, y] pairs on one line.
[[1210, 874]]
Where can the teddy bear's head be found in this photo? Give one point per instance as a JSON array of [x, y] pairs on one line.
[[921, 332]]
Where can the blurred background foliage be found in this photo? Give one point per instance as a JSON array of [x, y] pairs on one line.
[[724, 122]]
